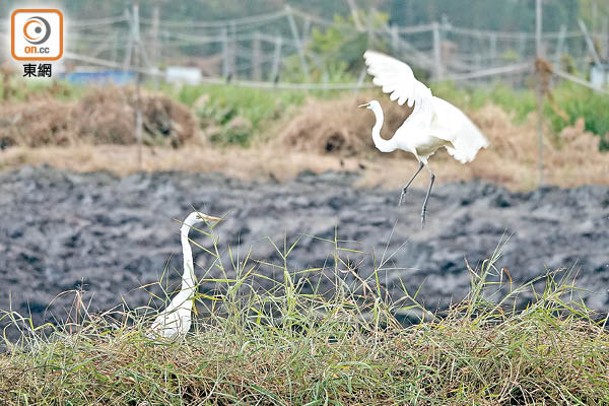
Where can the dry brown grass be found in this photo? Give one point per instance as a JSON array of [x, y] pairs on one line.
[[103, 116], [571, 158], [247, 164], [338, 126], [321, 136]]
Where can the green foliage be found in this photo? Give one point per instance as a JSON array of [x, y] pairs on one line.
[[518, 102], [593, 12], [516, 15], [577, 101], [237, 113], [334, 54]]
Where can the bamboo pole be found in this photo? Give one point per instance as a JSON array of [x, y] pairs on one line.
[[539, 54], [256, 57], [138, 81], [299, 45]]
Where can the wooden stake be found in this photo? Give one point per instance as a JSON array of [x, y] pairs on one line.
[[256, 57], [225, 53], [276, 60], [539, 53], [138, 84], [299, 45], [437, 51]]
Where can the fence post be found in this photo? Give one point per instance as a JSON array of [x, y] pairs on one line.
[[395, 40], [590, 43], [522, 44], [154, 33], [306, 30], [276, 60], [115, 44], [605, 37], [233, 51], [256, 56], [299, 46], [437, 52], [560, 45], [138, 96], [129, 48], [540, 90], [493, 50], [225, 53]]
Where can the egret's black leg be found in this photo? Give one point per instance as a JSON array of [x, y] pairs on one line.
[[405, 188], [432, 177]]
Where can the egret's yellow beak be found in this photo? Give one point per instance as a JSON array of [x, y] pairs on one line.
[[361, 106], [208, 218]]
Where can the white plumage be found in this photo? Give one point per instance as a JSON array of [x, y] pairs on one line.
[[175, 320], [434, 123]]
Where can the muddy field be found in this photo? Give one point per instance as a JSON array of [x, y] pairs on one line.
[[111, 235]]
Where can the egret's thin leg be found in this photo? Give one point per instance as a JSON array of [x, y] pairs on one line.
[[405, 188], [432, 177]]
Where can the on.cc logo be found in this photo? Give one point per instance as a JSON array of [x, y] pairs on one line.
[[36, 34], [36, 30]]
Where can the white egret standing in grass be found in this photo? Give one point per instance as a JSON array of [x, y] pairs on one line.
[[433, 123], [175, 320]]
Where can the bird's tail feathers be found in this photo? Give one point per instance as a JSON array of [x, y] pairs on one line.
[[465, 149]]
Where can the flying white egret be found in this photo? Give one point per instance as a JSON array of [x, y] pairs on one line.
[[433, 123], [175, 320]]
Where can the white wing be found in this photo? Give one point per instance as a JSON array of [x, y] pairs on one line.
[[451, 124], [396, 78]]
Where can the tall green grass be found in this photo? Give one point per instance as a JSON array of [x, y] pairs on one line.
[[577, 101], [269, 334]]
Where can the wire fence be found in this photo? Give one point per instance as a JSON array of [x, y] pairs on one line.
[[274, 49]]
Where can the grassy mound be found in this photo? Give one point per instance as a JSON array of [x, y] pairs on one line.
[[293, 344], [101, 116], [338, 126]]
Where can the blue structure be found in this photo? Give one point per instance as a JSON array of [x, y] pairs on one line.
[[102, 77]]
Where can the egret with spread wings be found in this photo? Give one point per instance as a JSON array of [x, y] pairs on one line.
[[434, 123]]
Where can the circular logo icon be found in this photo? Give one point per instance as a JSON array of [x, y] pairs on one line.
[[36, 30]]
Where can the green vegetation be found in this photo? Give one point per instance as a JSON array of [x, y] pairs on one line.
[[236, 113], [520, 103], [577, 101], [298, 342], [335, 52]]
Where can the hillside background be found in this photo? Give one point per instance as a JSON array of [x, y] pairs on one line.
[[507, 15]]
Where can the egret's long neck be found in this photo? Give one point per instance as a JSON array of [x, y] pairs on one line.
[[382, 144], [188, 279]]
